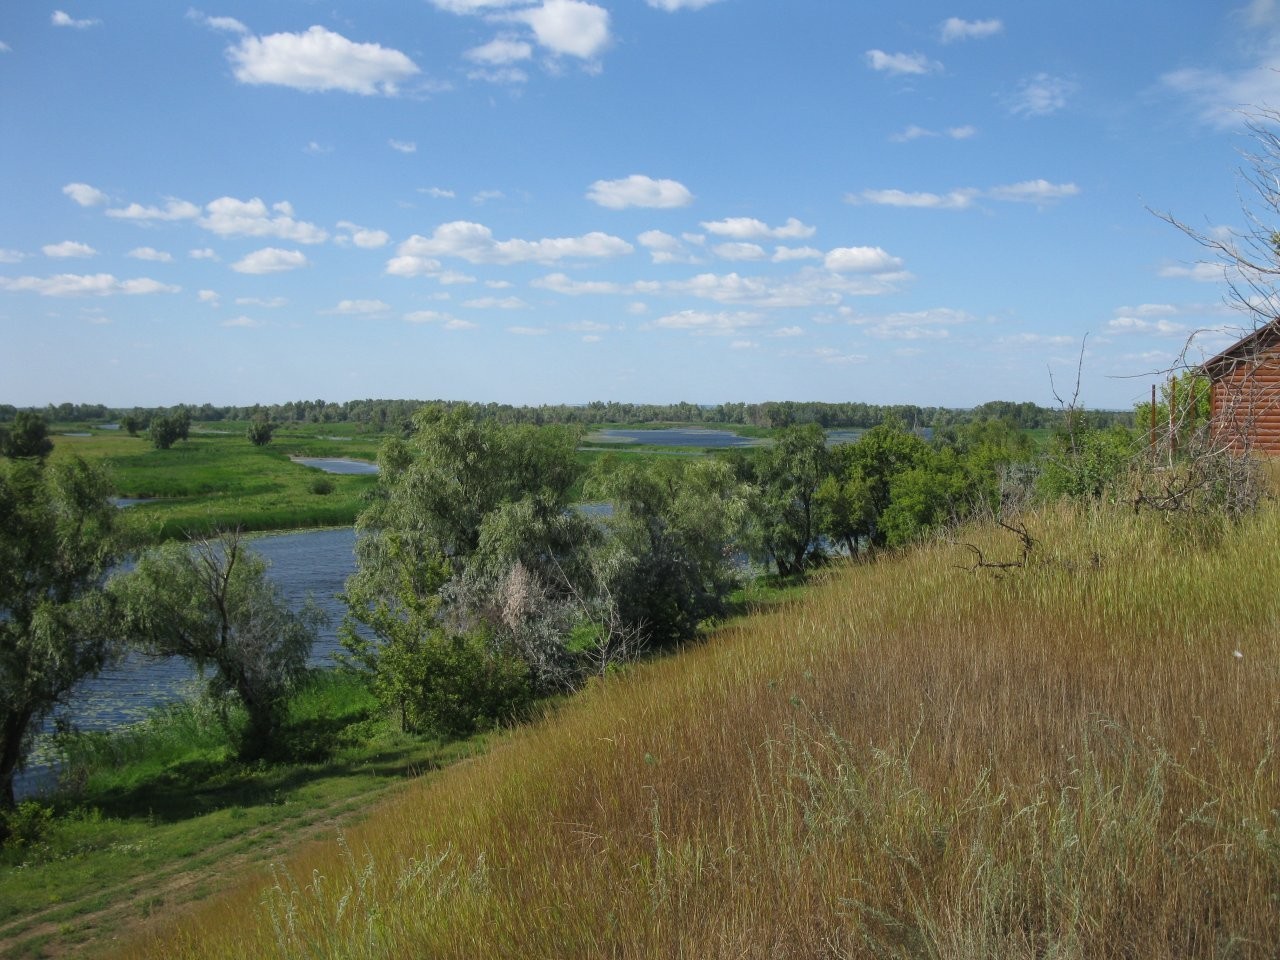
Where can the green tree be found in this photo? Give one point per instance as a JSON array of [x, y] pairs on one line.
[[667, 561], [57, 540], [855, 498], [786, 512], [260, 431], [165, 432], [28, 437], [212, 603]]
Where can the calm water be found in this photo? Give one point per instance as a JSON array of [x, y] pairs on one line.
[[313, 563], [674, 437], [334, 465]]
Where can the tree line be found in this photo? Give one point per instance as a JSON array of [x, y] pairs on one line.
[[397, 415]]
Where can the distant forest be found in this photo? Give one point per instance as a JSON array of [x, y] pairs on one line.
[[390, 415]]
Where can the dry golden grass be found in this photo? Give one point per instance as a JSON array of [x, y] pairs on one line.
[[918, 760]]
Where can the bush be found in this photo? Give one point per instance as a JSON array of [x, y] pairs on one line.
[[26, 825], [322, 486]]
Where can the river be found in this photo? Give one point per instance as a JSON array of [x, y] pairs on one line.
[[310, 563]]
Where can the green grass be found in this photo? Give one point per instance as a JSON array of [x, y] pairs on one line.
[[216, 481], [1074, 759], [161, 813]]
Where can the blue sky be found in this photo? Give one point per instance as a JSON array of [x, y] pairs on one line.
[[534, 201]]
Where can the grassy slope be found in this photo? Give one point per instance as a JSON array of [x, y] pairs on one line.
[[917, 759]]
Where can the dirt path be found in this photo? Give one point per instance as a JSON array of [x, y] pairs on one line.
[[140, 899]]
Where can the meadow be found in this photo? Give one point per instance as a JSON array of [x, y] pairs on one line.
[[920, 757]]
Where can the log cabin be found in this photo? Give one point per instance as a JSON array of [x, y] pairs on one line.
[[1244, 398]]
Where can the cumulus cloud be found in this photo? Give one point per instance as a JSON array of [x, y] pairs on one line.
[[403, 146], [359, 308], [861, 260], [172, 210], [60, 19], [569, 27], [664, 248], [362, 237], [85, 195], [229, 217], [720, 323], [445, 320], [241, 321], [639, 191], [11, 256], [84, 285], [500, 51], [475, 243], [320, 60], [528, 331], [1161, 326], [270, 260], [204, 253], [749, 228], [150, 253], [223, 24], [1033, 191], [437, 193], [739, 251], [787, 254], [496, 303], [210, 297], [561, 283], [953, 29], [474, 6], [901, 64], [1041, 95], [68, 249], [271, 302]]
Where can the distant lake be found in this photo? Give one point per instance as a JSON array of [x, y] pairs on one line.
[[336, 465], [673, 437]]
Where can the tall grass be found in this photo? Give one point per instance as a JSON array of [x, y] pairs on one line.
[[1075, 759]]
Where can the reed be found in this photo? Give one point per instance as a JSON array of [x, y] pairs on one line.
[[1073, 759]]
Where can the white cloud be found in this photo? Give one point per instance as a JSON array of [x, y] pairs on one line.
[[5, 48], [11, 256], [830, 355], [496, 303], [205, 253], [82, 285], [1033, 191], [60, 19], [915, 132], [474, 243], [150, 253], [861, 260], [271, 302], [403, 146], [437, 192], [363, 237], [964, 198], [569, 27], [445, 320], [484, 196], [744, 345], [85, 195], [1037, 339], [320, 60], [270, 260], [749, 228], [739, 251], [639, 191], [953, 29], [242, 321], [223, 24], [722, 323], [172, 210], [528, 331], [316, 149], [955, 200], [1202, 272], [1132, 324], [1225, 99], [664, 248], [359, 308], [474, 6], [671, 6], [68, 249], [410, 266], [916, 325], [787, 254], [500, 51], [450, 278], [899, 64], [1041, 95], [229, 217], [787, 332], [560, 283], [210, 297]]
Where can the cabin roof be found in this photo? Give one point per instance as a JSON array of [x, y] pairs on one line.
[[1261, 339]]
